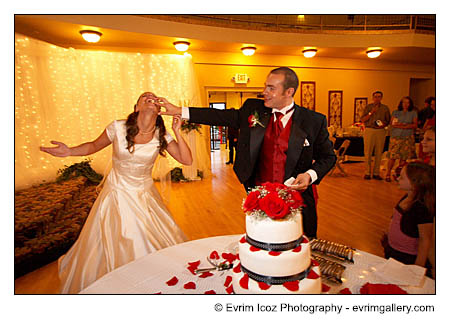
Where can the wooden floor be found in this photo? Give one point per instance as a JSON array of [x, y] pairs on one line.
[[351, 211]]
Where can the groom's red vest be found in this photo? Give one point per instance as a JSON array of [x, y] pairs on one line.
[[272, 157]]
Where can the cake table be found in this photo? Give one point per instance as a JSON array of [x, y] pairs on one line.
[[169, 271]]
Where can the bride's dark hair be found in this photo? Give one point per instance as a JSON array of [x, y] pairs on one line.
[[133, 130]]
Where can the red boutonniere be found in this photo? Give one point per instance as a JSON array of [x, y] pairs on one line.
[[253, 120]]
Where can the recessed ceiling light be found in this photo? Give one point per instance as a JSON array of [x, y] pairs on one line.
[[309, 52], [91, 36], [248, 50], [373, 53], [181, 46]]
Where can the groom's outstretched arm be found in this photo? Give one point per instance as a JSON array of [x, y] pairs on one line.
[[206, 116]]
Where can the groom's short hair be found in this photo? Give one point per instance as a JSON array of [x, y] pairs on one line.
[[290, 77]]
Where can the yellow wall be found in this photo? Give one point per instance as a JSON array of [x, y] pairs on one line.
[[357, 78]]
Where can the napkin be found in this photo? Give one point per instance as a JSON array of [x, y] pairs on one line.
[[381, 289], [398, 273]]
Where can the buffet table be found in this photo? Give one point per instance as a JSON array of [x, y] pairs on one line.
[[169, 271]]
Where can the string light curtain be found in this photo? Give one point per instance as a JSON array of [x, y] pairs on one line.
[[71, 95]]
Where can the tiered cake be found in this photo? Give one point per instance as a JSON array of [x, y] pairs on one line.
[[275, 257]]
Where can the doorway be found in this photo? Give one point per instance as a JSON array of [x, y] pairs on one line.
[[226, 99]]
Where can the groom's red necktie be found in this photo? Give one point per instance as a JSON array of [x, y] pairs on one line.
[[278, 125]]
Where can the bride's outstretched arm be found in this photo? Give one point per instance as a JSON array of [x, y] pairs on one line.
[[179, 149], [62, 150]]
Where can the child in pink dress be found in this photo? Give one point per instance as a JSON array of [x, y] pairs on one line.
[[410, 232]]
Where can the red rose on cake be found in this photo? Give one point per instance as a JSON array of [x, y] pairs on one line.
[[273, 200], [252, 201], [274, 206], [273, 187], [296, 200]]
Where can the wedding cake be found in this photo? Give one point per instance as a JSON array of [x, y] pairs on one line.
[[275, 256]]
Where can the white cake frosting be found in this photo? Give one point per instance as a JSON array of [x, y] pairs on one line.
[[264, 260], [279, 264], [306, 286], [274, 231]]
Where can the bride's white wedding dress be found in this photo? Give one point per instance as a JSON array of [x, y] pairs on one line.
[[127, 221]]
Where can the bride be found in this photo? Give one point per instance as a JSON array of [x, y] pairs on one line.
[[128, 220]]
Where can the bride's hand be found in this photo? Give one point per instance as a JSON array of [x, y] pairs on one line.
[[176, 123], [61, 150]]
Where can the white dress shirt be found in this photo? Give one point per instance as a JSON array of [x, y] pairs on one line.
[[284, 121]]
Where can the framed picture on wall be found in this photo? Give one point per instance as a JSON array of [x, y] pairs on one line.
[[360, 105], [308, 94], [335, 108]]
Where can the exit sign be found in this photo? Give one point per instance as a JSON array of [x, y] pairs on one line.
[[240, 78]]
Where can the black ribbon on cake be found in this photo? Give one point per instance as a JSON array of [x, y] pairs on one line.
[[274, 246], [270, 280]]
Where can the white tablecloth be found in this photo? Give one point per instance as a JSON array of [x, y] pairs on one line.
[[152, 273]]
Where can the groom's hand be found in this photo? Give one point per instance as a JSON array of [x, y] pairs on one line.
[[170, 109], [302, 182]]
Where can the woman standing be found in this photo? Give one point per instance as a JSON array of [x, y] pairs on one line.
[[401, 143], [128, 220]]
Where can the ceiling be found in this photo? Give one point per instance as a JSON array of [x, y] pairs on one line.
[[132, 33]]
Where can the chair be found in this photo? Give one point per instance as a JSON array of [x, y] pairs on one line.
[[331, 132], [340, 154]]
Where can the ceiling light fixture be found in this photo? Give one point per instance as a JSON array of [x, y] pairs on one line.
[[181, 46], [248, 50], [91, 36], [373, 53], [309, 52]]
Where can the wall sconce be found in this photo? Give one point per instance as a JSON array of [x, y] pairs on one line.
[[373, 53], [91, 36], [248, 50], [309, 52], [181, 46]]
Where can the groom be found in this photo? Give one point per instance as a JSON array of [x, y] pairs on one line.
[[278, 139]]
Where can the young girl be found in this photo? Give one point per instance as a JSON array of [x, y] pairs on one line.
[[411, 226]]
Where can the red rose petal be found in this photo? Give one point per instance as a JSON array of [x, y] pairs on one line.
[[172, 282], [243, 240], [312, 275], [210, 292], [297, 249], [314, 263], [230, 289], [237, 256], [228, 281], [304, 240], [345, 291], [325, 288], [206, 274], [214, 255], [274, 253], [291, 285], [237, 268], [194, 264], [244, 281], [263, 286], [230, 257], [190, 285], [254, 249], [192, 269]]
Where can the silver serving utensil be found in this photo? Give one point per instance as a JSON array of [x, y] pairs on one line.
[[217, 267]]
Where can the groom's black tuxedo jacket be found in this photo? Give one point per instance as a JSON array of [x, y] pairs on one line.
[[316, 153]]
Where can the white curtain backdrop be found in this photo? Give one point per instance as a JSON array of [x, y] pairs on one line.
[[71, 95]]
